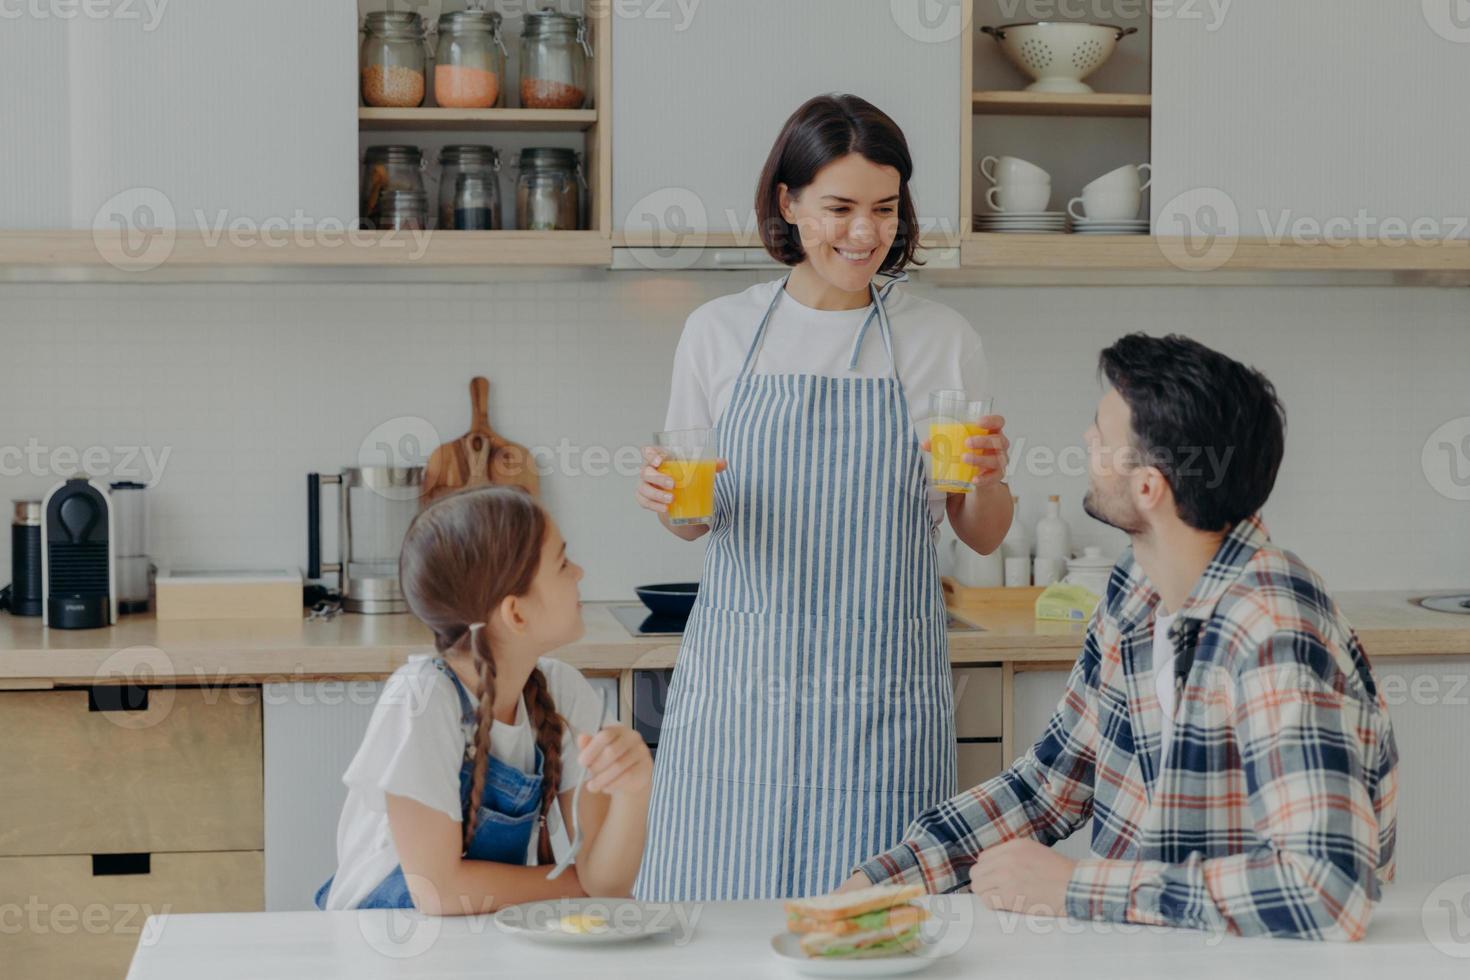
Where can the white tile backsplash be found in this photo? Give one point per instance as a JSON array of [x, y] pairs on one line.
[[246, 388]]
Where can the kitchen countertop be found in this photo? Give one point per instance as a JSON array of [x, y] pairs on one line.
[[142, 650], [1411, 934]]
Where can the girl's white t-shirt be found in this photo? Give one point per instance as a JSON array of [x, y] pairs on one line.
[[934, 346], [414, 747]]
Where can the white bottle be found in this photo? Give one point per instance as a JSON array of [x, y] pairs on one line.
[[1016, 550], [1053, 536]]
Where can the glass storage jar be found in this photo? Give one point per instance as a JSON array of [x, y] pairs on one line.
[[483, 162], [395, 167], [392, 58], [404, 211], [549, 190], [554, 56], [469, 61]]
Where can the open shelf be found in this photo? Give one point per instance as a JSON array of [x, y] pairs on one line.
[[1094, 104], [1065, 258], [435, 118]]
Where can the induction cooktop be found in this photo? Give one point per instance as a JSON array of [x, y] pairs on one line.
[[639, 622]]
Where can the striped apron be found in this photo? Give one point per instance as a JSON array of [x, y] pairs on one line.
[[810, 717]]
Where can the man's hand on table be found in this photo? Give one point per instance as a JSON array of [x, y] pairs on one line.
[[1022, 876]]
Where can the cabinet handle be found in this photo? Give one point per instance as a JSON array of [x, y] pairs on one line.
[[117, 697], [108, 865]]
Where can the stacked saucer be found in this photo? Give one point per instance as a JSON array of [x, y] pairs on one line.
[[1104, 226], [1023, 222]]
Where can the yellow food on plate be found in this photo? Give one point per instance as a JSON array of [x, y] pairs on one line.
[[582, 924]]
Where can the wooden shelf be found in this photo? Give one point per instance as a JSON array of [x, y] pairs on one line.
[[525, 120], [1145, 258], [1096, 104], [357, 249]]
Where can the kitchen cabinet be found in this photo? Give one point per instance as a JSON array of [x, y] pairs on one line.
[[203, 115], [703, 90], [1310, 112], [118, 802]]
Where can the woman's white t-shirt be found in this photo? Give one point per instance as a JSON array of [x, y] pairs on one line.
[[934, 346], [414, 747]]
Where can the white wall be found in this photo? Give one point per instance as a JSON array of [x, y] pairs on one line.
[[248, 387]]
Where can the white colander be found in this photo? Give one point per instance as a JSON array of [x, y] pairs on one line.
[[1058, 55]]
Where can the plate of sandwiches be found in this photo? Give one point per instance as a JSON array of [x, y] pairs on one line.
[[873, 932]]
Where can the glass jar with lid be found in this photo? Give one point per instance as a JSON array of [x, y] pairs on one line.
[[394, 167], [554, 57], [550, 190], [481, 162], [469, 61], [403, 211], [392, 58]]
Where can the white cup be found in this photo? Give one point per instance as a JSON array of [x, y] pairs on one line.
[[1125, 178], [1013, 170], [1106, 205], [1019, 197]]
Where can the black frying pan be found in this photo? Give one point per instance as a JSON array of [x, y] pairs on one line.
[[672, 600]]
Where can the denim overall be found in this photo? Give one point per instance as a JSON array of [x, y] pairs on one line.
[[510, 811]]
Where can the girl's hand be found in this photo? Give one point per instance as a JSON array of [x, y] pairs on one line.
[[656, 489], [616, 761], [989, 454]]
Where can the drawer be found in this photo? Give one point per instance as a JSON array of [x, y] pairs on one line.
[[59, 919], [182, 774], [977, 762], [977, 702]]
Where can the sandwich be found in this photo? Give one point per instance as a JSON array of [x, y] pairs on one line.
[[866, 924]]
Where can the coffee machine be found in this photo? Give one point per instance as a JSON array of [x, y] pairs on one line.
[[78, 556]]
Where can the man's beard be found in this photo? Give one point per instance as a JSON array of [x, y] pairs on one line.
[[1119, 515]]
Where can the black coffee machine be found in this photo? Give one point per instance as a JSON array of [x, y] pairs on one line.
[[78, 566]]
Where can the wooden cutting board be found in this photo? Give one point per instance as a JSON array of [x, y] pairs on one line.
[[479, 458]]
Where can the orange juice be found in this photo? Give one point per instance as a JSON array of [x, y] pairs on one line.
[[950, 472], [694, 490]]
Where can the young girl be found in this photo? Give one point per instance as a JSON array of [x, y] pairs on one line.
[[488, 720]]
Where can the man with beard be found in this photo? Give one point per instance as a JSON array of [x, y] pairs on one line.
[[1222, 729]]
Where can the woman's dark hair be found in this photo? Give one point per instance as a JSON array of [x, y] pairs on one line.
[[828, 128], [462, 555], [1213, 426]]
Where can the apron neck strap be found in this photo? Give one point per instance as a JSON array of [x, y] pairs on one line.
[[878, 311]]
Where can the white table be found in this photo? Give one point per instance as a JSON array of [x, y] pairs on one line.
[[1406, 941]]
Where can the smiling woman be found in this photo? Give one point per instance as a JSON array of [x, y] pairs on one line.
[[810, 713]]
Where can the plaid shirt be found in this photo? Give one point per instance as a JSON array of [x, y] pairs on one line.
[[1272, 812]]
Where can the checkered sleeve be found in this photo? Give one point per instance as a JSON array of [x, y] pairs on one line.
[[1044, 796], [1312, 761]]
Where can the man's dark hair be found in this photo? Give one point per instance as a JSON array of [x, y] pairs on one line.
[[824, 129], [1213, 426]]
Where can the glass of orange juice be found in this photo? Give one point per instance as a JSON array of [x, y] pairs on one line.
[[953, 419], [689, 457]]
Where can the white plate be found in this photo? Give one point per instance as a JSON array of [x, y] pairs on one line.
[[1020, 214], [626, 919], [1111, 224], [787, 948], [1022, 224]]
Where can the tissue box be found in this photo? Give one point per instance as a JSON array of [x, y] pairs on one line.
[[1066, 603]]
